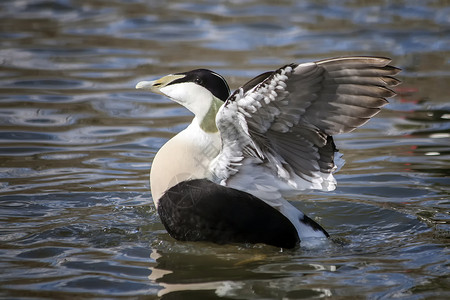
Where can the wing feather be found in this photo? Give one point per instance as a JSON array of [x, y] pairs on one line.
[[282, 122]]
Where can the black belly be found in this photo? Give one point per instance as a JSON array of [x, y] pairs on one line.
[[200, 210]]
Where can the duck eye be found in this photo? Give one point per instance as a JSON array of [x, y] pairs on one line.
[[198, 81]]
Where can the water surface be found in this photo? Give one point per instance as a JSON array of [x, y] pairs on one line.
[[77, 141]]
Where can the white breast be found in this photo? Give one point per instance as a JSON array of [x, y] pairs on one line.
[[186, 156]]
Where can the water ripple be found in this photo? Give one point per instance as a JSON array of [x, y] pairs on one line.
[[77, 141]]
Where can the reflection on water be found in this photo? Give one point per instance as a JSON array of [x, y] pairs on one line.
[[77, 141]]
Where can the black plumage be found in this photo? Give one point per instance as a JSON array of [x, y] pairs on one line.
[[200, 210]]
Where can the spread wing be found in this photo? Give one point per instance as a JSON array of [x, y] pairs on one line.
[[277, 129]]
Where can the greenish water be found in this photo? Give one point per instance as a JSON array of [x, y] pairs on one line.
[[77, 141]]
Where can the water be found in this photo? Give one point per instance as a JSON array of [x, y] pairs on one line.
[[77, 141]]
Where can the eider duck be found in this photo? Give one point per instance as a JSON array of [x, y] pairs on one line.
[[225, 178]]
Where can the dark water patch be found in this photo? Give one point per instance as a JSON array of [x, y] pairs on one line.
[[42, 253], [388, 192], [59, 6], [107, 268], [26, 151], [30, 136], [46, 83]]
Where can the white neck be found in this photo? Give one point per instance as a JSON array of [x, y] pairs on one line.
[[192, 96]]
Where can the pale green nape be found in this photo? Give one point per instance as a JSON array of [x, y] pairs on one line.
[[208, 123]]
